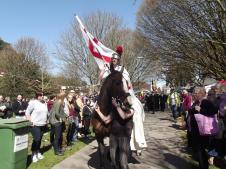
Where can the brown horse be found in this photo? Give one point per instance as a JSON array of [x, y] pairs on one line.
[[112, 87]]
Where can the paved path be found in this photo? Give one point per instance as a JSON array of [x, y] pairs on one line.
[[165, 148]]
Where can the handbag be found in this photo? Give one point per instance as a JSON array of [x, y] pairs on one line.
[[207, 125]]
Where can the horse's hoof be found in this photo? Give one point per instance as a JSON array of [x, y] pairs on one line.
[[114, 166]]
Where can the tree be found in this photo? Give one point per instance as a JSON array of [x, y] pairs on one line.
[[145, 64], [73, 51], [135, 53], [19, 75], [108, 28], [35, 52], [191, 32], [3, 44]]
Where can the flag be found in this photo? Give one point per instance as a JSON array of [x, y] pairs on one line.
[[101, 53], [222, 81]]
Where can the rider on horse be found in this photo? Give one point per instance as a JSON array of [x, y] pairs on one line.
[[115, 65], [138, 131]]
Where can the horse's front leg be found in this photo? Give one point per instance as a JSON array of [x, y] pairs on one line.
[[101, 152], [124, 152], [113, 148]]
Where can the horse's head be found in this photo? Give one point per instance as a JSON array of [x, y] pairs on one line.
[[113, 86]]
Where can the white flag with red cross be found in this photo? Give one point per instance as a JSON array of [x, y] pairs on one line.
[[101, 53]]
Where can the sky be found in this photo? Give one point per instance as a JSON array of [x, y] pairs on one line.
[[46, 20]]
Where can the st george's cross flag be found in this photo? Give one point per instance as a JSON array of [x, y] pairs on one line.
[[101, 53]]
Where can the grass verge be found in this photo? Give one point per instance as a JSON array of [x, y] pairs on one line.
[[50, 159]]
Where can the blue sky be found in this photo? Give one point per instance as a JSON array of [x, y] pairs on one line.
[[45, 20]]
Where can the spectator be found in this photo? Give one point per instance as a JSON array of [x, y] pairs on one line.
[[187, 101], [186, 105], [45, 99], [72, 92], [19, 107], [151, 102], [37, 113], [50, 103], [77, 117], [56, 118], [4, 107], [221, 137], [65, 122], [63, 89], [156, 101], [80, 105], [163, 98], [173, 102], [208, 109], [9, 112], [71, 118], [87, 114]]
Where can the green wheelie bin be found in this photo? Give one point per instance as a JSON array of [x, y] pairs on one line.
[[13, 143]]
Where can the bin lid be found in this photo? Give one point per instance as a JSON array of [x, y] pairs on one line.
[[14, 123]]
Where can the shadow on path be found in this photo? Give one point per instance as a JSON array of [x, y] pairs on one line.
[[166, 148], [94, 160], [178, 161]]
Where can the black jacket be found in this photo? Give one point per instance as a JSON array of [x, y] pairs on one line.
[[19, 106]]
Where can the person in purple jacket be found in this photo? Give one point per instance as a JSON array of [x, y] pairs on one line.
[[221, 138], [186, 105], [206, 106]]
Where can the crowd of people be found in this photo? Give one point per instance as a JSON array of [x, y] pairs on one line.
[[67, 114], [10, 108], [204, 117], [202, 113], [155, 101], [65, 111]]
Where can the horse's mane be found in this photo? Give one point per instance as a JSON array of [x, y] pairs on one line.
[[111, 87], [105, 97]]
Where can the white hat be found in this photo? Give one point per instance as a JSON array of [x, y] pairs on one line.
[[63, 88], [72, 91]]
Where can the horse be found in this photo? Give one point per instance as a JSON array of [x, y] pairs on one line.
[[113, 86]]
